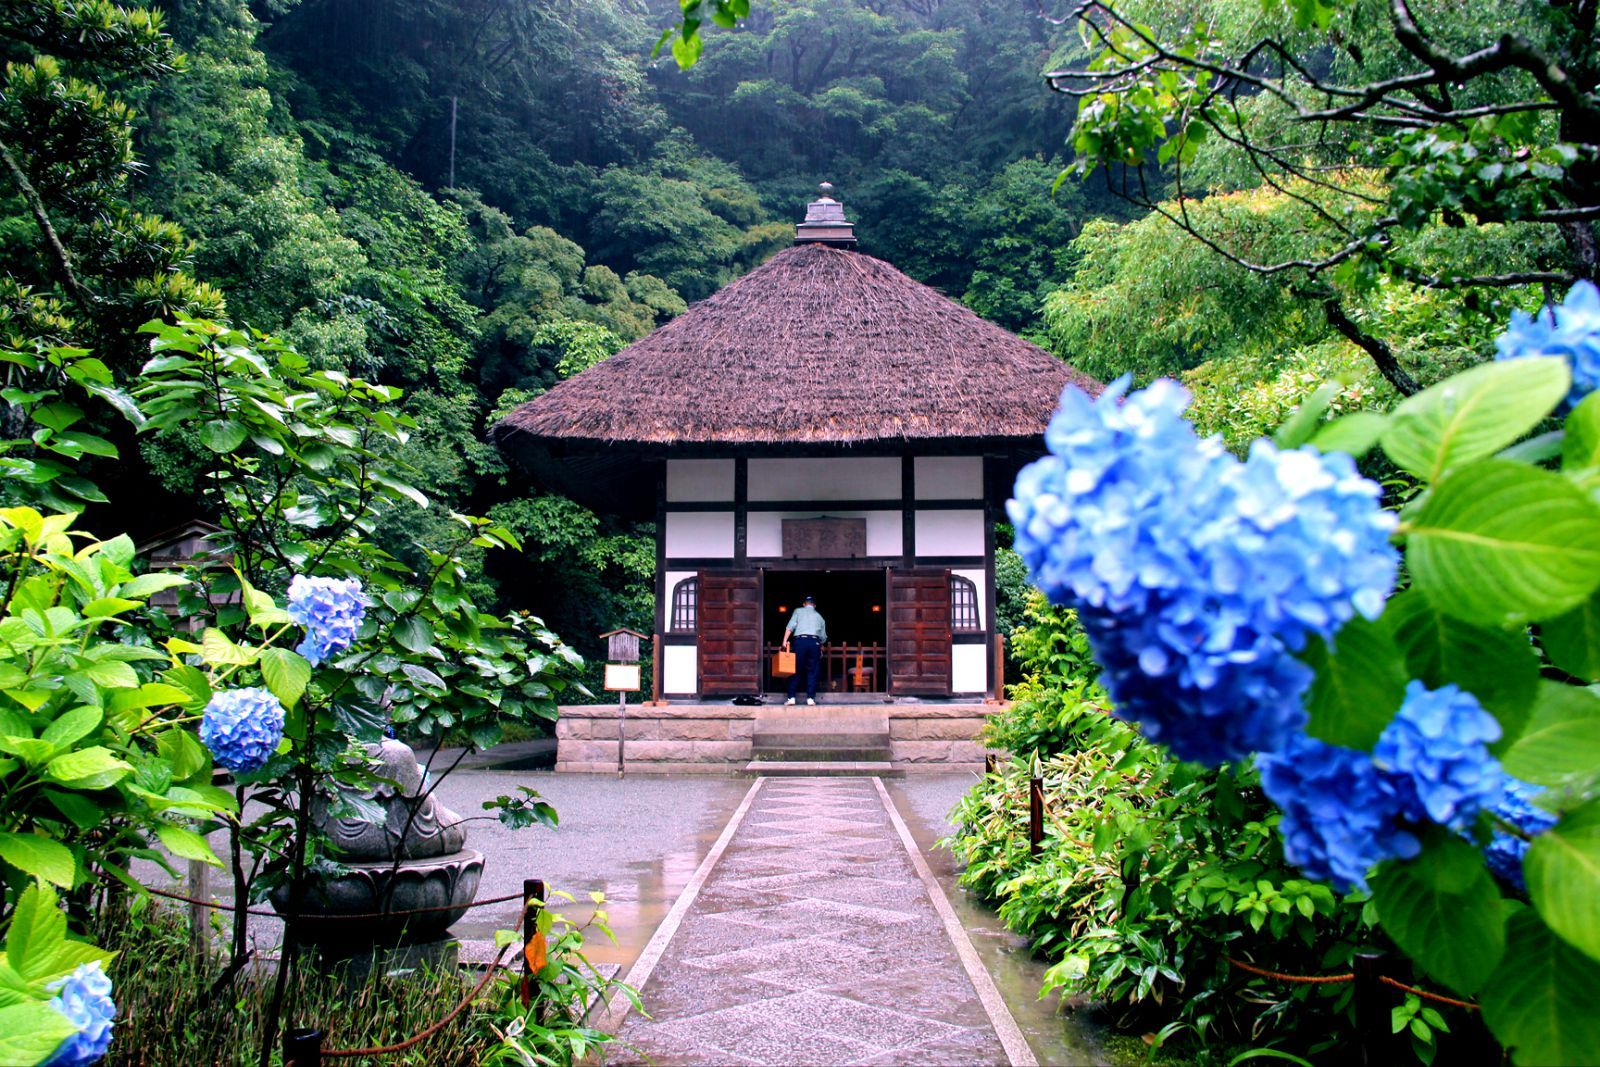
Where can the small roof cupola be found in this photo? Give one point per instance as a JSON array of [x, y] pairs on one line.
[[825, 222]]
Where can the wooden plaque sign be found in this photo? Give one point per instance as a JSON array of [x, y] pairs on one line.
[[824, 538], [622, 677]]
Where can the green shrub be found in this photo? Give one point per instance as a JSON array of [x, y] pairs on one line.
[[1153, 872]]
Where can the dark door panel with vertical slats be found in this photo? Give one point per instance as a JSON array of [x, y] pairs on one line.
[[919, 632], [730, 632]]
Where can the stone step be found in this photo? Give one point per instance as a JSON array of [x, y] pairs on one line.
[[863, 739], [822, 753], [823, 769]]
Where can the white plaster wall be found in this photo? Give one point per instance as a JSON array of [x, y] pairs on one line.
[[699, 480], [978, 578], [764, 531], [699, 535], [950, 533], [844, 478], [680, 668], [969, 669], [948, 477]]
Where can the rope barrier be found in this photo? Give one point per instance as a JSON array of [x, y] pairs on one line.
[[1425, 995], [1328, 979], [417, 1039], [1308, 979], [266, 913]]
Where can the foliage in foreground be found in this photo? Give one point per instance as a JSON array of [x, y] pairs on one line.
[[169, 1011], [1437, 743], [1152, 871]]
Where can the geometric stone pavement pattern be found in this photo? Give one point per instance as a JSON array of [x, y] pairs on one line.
[[812, 941]]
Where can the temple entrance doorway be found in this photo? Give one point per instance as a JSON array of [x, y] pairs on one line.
[[854, 604]]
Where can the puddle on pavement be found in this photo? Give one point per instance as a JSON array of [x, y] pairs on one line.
[[1055, 1038], [635, 903]]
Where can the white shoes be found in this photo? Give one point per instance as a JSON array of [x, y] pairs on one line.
[[788, 702], [811, 703]]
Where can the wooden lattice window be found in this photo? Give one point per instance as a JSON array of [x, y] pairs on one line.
[[685, 606], [964, 606]]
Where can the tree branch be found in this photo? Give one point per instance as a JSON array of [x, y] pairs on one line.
[[52, 240], [1376, 347]]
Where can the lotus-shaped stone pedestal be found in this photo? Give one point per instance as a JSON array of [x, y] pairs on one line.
[[416, 858]]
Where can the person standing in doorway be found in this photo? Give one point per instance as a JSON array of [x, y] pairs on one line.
[[809, 632]]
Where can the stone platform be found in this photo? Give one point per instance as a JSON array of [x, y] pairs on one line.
[[726, 738]]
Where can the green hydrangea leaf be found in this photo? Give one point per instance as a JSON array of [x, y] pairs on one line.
[[1573, 640], [30, 1032], [1474, 414], [1499, 667], [1359, 685], [39, 856], [1498, 543], [1539, 1002], [1561, 741], [1443, 909], [1563, 872], [286, 673]]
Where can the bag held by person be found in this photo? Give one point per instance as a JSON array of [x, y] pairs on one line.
[[782, 664]]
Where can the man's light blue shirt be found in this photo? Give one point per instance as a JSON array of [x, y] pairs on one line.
[[807, 621]]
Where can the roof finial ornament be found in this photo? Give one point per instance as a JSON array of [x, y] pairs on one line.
[[825, 222]]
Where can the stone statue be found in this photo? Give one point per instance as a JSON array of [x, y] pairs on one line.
[[415, 858]]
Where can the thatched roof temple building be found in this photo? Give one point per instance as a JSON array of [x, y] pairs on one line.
[[822, 425]]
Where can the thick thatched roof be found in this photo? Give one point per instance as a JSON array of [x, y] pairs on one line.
[[818, 346]]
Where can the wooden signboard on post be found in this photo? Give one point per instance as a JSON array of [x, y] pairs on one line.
[[622, 677]]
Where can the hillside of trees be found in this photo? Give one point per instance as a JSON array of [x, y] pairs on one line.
[[472, 199]]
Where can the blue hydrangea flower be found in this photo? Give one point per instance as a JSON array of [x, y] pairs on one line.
[[330, 609], [84, 997], [1570, 330], [1197, 575], [242, 728], [1344, 810], [1435, 753], [1506, 851], [1339, 816]]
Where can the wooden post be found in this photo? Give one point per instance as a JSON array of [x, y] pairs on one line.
[[1035, 814], [302, 1047], [532, 940], [199, 934], [655, 670], [1000, 666], [622, 729], [1372, 1014]]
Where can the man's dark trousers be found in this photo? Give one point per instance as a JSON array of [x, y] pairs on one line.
[[807, 662]]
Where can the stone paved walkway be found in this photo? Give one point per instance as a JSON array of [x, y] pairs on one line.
[[814, 939]]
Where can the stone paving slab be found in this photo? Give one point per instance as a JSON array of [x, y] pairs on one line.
[[812, 935]]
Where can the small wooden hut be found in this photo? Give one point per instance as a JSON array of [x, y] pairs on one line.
[[824, 425]]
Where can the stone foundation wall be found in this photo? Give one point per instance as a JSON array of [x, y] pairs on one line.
[[684, 739], [937, 735], [716, 738]]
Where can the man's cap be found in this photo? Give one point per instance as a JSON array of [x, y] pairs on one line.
[[808, 599]]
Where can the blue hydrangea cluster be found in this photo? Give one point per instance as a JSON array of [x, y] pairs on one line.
[[242, 728], [1570, 330], [1344, 811], [1196, 574], [330, 609], [1339, 819], [84, 997], [1436, 753], [1517, 806]]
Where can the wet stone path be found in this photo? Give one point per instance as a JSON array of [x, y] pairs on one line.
[[815, 938]]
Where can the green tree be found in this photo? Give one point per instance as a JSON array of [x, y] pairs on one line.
[[81, 264]]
